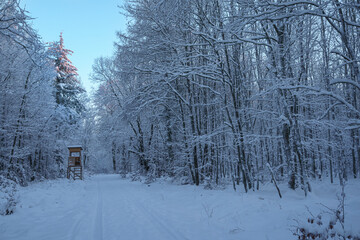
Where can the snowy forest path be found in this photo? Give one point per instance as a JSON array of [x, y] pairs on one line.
[[107, 207], [98, 223], [131, 206], [111, 208]]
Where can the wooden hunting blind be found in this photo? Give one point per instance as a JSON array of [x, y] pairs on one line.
[[74, 169]]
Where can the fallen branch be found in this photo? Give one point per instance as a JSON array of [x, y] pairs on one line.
[[273, 179]]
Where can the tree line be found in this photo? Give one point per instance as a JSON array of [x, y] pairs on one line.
[[215, 91], [40, 100]]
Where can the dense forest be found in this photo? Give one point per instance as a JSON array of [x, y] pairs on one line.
[[234, 91], [207, 92], [41, 101]]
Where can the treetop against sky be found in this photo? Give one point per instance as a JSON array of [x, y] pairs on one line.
[[89, 28]]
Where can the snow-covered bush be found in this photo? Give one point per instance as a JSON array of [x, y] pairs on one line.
[[151, 174], [17, 173], [328, 224], [135, 176], [8, 196], [122, 173], [185, 180], [209, 184], [323, 228]]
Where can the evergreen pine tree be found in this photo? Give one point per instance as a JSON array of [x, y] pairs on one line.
[[67, 84]]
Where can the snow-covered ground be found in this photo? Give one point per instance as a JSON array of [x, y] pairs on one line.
[[106, 207]]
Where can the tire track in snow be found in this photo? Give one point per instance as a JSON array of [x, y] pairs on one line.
[[160, 223], [78, 220], [98, 223], [75, 229]]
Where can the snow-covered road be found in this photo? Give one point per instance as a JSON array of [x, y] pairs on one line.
[[106, 207]]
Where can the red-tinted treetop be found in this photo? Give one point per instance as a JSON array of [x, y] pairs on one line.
[[66, 70]]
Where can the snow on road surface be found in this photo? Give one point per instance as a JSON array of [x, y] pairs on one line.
[[106, 207]]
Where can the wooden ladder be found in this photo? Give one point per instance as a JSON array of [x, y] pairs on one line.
[[75, 172]]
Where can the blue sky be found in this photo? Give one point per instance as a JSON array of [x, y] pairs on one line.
[[89, 28]]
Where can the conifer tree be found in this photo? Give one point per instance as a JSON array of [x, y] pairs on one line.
[[67, 84]]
